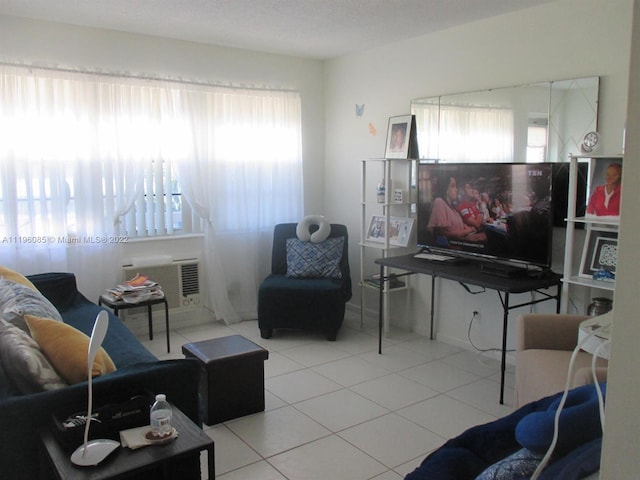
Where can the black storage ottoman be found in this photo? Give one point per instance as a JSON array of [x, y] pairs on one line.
[[232, 376]]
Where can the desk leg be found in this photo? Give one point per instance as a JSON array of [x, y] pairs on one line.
[[380, 309], [212, 463], [150, 318], [166, 317], [505, 323], [433, 301]]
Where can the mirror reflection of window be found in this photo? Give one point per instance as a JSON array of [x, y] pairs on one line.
[[537, 140], [570, 108], [465, 133]]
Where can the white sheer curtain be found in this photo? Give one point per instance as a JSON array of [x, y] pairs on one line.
[[244, 177], [465, 134], [69, 168], [74, 149]]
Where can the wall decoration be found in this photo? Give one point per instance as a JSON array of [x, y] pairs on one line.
[[606, 187], [372, 129], [600, 254], [401, 137], [359, 110]]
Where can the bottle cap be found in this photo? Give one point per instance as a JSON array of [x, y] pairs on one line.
[[161, 397]]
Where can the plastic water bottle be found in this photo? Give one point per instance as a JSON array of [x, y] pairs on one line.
[[160, 416], [381, 192]]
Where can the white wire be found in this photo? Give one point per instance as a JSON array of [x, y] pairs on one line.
[[556, 420], [594, 358]]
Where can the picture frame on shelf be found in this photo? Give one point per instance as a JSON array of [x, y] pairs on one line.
[[400, 230], [401, 138], [600, 253], [605, 191]]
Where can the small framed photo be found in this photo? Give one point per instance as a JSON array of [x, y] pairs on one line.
[[400, 230], [605, 190], [600, 252], [398, 136]]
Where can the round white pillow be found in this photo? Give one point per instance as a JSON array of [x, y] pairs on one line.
[[320, 235]]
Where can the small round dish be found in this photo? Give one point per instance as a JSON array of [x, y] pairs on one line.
[[160, 440]]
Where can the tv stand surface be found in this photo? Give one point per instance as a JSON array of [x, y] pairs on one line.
[[471, 273], [502, 270]]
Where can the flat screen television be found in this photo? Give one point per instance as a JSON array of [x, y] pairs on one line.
[[489, 211]]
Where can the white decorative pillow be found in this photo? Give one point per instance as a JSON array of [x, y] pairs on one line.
[[24, 363], [16, 277], [314, 260], [18, 300]]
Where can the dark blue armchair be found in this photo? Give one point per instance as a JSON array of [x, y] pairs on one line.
[[303, 303]]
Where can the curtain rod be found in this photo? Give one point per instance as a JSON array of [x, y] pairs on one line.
[[157, 78]]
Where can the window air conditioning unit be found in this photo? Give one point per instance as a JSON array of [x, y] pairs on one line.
[[179, 279]]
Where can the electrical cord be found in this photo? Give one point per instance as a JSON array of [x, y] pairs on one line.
[[556, 421], [482, 350], [596, 382]]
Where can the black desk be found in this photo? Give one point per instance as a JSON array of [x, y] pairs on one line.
[[469, 273]]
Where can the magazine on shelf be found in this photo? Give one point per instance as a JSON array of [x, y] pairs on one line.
[[393, 281]]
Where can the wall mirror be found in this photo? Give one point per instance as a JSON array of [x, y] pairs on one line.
[[527, 123]]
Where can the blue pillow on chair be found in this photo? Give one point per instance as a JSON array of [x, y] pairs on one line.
[[314, 260]]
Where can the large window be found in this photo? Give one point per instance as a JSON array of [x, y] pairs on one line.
[[84, 155]]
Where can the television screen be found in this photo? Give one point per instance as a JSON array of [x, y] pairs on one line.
[[489, 210], [561, 192]]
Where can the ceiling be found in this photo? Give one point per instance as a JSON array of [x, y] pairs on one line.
[[319, 29]]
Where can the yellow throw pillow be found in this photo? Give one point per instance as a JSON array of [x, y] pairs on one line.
[[66, 348], [16, 277]]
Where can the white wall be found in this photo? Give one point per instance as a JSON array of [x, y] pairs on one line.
[[559, 40], [28, 41], [621, 439]]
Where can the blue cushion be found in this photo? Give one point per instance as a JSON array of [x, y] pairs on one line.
[[579, 422], [314, 260]]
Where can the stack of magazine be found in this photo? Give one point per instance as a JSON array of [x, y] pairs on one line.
[[392, 282], [138, 289]]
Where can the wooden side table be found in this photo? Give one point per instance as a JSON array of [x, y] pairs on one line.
[[122, 305], [127, 463]]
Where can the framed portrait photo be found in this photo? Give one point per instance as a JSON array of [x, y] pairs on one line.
[[400, 137], [600, 252], [605, 192]]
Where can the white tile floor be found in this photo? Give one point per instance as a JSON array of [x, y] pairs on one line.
[[338, 410]]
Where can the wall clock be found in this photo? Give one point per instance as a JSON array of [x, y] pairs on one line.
[[590, 142]]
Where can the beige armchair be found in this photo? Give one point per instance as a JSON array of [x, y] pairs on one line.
[[543, 350]]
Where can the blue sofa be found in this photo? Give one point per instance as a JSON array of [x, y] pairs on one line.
[[21, 416]]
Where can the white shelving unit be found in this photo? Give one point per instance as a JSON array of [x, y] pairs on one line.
[[394, 174], [591, 223]]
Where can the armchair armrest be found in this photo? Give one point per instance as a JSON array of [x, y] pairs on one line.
[[547, 331]]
